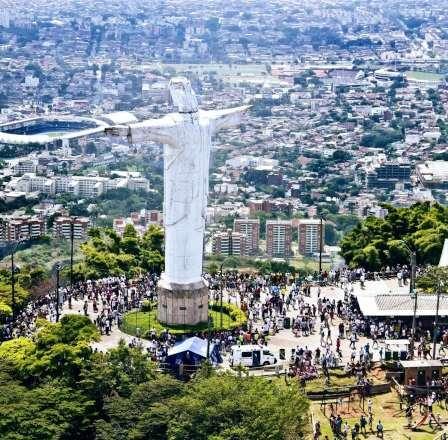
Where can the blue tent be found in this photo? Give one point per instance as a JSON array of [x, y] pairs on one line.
[[193, 351]]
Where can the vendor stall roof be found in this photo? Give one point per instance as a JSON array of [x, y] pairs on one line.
[[421, 363], [402, 305]]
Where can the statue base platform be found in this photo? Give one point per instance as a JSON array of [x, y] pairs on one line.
[[182, 304]]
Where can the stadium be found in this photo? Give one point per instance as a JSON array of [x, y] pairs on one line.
[[47, 130]]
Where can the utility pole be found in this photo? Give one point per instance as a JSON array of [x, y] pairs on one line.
[[434, 336], [412, 291], [72, 239], [58, 268], [208, 337], [13, 287], [220, 288], [320, 245], [413, 294]]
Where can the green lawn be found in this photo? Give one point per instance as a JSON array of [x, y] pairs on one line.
[[145, 321], [386, 409], [423, 76], [338, 379]]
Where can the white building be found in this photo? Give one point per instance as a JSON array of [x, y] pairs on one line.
[[24, 166], [138, 184], [29, 182]]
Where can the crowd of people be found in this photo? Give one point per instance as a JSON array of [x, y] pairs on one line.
[[271, 303], [343, 430], [25, 320], [104, 301]]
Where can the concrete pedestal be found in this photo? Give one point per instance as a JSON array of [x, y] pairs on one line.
[[182, 304]]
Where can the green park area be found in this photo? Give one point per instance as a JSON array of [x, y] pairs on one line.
[[423, 76], [231, 316], [386, 408]]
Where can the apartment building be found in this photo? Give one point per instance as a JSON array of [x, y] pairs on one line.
[[279, 238], [62, 227], [140, 220], [83, 186], [90, 187], [22, 228], [29, 182], [251, 229], [138, 184], [24, 166], [230, 243], [309, 236]]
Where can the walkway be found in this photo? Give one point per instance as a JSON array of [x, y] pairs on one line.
[[107, 341], [284, 338]]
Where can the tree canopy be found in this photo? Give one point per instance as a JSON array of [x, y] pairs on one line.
[[381, 138], [108, 254], [57, 387], [376, 242]]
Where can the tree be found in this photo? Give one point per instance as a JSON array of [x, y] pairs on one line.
[[47, 412], [380, 138], [213, 268], [341, 156], [249, 408], [212, 24], [153, 238], [378, 242]]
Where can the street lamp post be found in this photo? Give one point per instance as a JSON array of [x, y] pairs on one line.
[[434, 336], [413, 291], [72, 239], [320, 245], [221, 289], [413, 294], [208, 337], [58, 268], [14, 247], [13, 288]]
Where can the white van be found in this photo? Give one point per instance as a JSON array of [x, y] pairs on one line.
[[251, 356]]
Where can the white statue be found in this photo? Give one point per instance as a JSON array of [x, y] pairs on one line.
[[186, 136]]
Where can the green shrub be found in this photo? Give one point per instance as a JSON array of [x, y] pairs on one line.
[[235, 313]]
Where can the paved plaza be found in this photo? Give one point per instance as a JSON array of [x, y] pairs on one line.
[[284, 338]]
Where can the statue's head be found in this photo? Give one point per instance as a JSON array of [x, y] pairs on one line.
[[183, 95]]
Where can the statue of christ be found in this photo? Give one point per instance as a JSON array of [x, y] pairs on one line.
[[186, 136]]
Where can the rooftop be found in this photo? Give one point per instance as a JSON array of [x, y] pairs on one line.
[[393, 305]]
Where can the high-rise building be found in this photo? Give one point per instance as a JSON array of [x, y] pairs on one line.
[[279, 238], [309, 236], [62, 227], [251, 229], [230, 243], [388, 174], [5, 18], [23, 227]]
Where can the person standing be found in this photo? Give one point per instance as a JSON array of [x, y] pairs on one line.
[[379, 429], [363, 423]]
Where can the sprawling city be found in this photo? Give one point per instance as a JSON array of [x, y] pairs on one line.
[[223, 220]]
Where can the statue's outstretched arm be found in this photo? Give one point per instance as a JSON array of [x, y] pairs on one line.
[[156, 130], [226, 118]]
